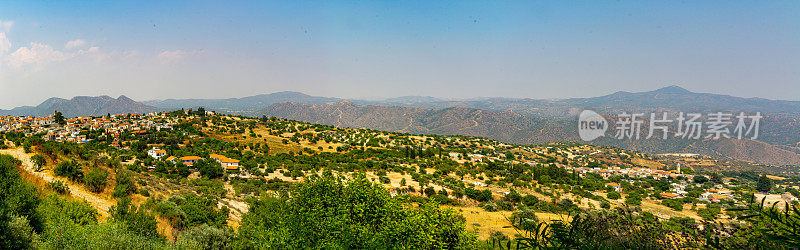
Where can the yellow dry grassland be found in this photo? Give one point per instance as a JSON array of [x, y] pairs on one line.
[[485, 223], [648, 163]]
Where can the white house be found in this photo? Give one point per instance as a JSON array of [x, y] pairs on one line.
[[156, 153]]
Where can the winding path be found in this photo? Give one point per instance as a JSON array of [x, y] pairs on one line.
[[101, 204]]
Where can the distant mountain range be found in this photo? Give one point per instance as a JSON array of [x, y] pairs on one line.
[[513, 120], [83, 106], [513, 127], [242, 105]]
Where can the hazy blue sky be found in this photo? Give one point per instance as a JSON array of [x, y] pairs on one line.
[[172, 49]]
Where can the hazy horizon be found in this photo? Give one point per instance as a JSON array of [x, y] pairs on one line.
[[548, 50]]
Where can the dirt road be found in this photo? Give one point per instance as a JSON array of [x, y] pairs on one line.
[[101, 204]]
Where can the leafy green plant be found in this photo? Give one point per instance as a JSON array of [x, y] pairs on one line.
[[96, 180], [70, 169], [777, 225], [58, 186], [38, 162]]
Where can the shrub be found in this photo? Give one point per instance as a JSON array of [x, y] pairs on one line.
[[524, 218], [633, 199], [480, 196], [96, 180], [124, 185], [613, 195], [621, 228], [58, 186], [38, 162], [207, 237], [136, 219], [429, 191], [513, 196], [489, 206], [443, 200], [69, 169], [676, 205], [504, 205], [530, 200]]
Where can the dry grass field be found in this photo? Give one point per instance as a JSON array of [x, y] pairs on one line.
[[485, 223]]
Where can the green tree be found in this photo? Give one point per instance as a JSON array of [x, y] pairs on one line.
[[675, 204], [59, 118], [210, 169], [633, 199], [333, 212], [135, 219], [96, 180], [39, 161], [699, 179], [530, 200], [207, 237], [69, 169], [764, 184]]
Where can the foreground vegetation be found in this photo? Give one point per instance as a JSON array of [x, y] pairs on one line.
[[304, 185]]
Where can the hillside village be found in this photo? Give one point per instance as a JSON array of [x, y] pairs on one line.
[[234, 159]]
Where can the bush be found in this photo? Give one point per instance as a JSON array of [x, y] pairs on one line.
[[207, 237], [633, 199], [169, 210], [480, 196], [69, 169], [524, 218], [58, 186], [614, 195], [96, 180], [136, 219], [530, 200], [38, 162], [489, 206], [621, 228], [513, 196], [429, 191], [444, 200], [124, 185], [676, 205]]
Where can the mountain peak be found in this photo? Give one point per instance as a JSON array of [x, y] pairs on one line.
[[672, 89]]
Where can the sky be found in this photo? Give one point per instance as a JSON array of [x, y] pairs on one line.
[[377, 49]]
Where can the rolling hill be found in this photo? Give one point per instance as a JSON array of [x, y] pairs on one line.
[[512, 127], [83, 106], [244, 105], [513, 120]]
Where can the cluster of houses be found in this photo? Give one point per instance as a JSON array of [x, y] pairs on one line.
[[70, 131], [678, 192], [458, 157], [231, 166], [711, 195]]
